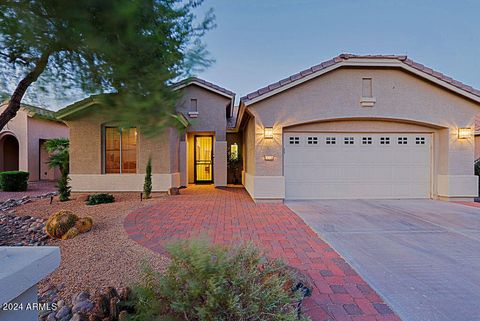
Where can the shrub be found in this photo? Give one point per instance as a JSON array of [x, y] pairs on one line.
[[63, 187], [205, 282], [147, 185], [477, 170], [71, 233], [14, 181], [59, 223], [95, 199]]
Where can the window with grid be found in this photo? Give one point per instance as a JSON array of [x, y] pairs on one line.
[[312, 140], [294, 140], [120, 154], [330, 140], [402, 140], [420, 140], [367, 140], [384, 140], [348, 140]]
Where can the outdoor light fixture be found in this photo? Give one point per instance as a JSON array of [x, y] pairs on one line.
[[268, 133], [268, 158], [464, 133]]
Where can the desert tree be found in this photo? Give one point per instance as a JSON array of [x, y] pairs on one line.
[[133, 48]]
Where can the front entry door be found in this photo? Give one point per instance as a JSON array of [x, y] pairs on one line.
[[203, 159]]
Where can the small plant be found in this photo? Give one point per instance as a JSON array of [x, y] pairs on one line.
[[234, 164], [210, 282], [59, 223], [96, 199], [58, 148], [147, 185], [14, 181], [64, 189]]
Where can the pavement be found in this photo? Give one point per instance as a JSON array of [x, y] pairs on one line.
[[229, 216], [421, 256]]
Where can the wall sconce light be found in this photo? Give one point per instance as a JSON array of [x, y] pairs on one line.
[[464, 133], [268, 132], [268, 158]]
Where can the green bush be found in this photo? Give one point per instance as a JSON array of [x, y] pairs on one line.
[[147, 185], [206, 282], [14, 181], [100, 199]]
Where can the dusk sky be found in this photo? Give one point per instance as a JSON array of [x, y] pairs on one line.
[[258, 42]]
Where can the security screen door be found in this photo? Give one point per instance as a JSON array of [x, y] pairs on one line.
[[203, 159]]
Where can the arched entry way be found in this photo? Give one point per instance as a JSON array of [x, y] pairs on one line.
[[9, 149]]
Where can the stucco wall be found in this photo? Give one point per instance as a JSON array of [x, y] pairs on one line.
[[399, 96], [86, 147], [210, 120], [18, 128], [477, 147], [40, 129], [211, 111]]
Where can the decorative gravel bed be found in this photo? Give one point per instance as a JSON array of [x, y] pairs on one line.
[[103, 257]]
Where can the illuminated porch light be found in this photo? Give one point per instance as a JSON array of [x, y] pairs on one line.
[[464, 133], [268, 133], [268, 158]]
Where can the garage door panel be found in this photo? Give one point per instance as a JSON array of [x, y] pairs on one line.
[[380, 165]]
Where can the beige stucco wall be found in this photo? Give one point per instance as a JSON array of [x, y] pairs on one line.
[[477, 147], [18, 128], [210, 120], [86, 156], [29, 131], [40, 129], [399, 97]]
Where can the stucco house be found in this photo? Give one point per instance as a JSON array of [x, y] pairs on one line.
[[22, 139], [353, 127]]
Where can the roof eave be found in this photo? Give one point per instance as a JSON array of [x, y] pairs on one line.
[[362, 62]]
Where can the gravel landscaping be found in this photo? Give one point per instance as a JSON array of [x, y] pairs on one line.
[[103, 257]]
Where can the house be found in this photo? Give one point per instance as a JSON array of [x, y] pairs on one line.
[[354, 127], [104, 157], [22, 139]]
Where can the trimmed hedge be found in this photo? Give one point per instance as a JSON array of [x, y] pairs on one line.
[[95, 199], [14, 181]]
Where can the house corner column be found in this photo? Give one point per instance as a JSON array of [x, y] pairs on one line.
[[183, 163], [220, 164]]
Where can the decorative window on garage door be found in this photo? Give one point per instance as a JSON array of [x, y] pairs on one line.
[[312, 140], [367, 140], [420, 140], [348, 140], [402, 140], [384, 140], [330, 140], [294, 140]]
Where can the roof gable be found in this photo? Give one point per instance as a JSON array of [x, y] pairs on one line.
[[343, 60]]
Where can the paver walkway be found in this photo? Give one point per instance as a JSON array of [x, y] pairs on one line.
[[229, 216]]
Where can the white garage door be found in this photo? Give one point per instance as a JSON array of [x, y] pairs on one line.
[[356, 166]]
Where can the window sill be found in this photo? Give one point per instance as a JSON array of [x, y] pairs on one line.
[[367, 101]]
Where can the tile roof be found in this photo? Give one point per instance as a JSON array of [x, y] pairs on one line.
[[344, 57], [208, 84], [34, 111]]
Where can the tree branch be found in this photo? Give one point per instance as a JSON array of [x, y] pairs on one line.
[[16, 98]]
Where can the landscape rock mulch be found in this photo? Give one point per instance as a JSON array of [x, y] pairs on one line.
[[22, 230], [110, 304]]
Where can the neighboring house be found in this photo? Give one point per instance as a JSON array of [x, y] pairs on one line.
[[354, 127], [22, 139]]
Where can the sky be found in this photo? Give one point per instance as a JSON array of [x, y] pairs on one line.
[[260, 42], [257, 42]]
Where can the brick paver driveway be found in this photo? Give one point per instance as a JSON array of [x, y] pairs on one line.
[[422, 256], [230, 216]]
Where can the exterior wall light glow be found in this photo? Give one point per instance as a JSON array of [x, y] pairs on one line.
[[268, 158], [464, 133], [268, 133]]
